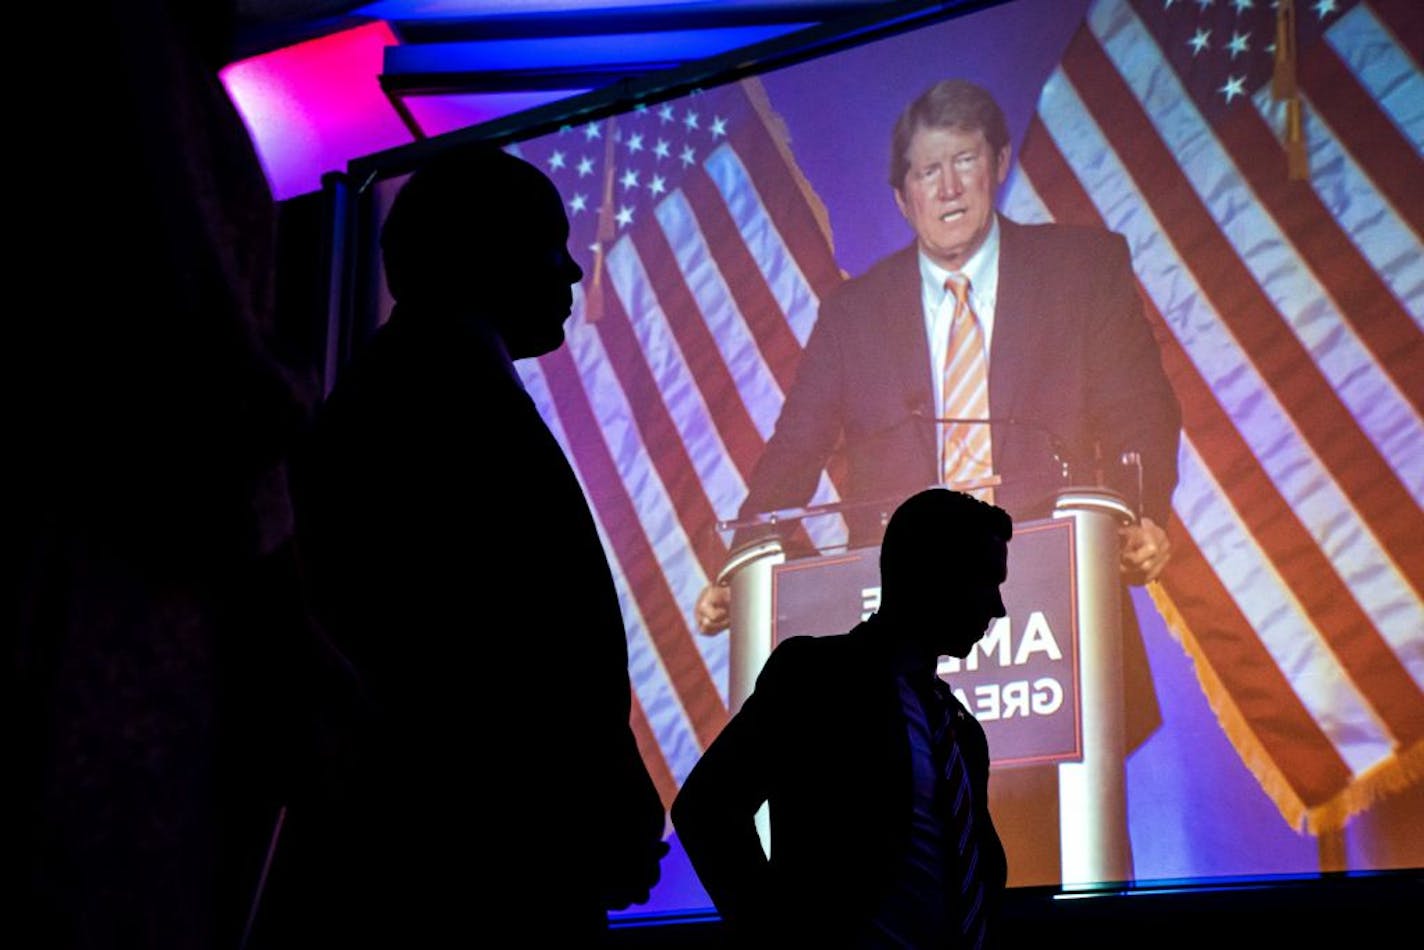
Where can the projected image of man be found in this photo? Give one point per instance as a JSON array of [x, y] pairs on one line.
[[979, 317], [1069, 355]]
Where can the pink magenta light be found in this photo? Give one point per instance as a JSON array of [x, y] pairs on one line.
[[438, 114], [313, 107]]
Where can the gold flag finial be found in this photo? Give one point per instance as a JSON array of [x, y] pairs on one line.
[[1284, 86], [603, 236]]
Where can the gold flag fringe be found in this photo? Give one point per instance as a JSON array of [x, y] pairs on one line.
[[1400, 771], [776, 129]]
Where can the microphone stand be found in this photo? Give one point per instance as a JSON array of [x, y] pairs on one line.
[[1133, 460], [1129, 459], [806, 511], [1059, 448]]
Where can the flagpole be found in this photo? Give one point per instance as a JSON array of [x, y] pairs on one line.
[[1285, 87], [593, 299]]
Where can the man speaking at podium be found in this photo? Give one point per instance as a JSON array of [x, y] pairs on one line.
[[1038, 330]]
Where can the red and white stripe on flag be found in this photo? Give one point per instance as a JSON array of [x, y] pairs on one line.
[[1290, 315], [714, 255]]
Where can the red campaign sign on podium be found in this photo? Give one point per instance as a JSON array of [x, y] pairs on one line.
[[1022, 680]]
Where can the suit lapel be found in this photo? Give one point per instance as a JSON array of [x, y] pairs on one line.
[[1010, 317], [907, 336], [1013, 332]]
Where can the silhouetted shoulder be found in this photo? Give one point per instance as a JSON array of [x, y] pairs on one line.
[[801, 650], [812, 662]]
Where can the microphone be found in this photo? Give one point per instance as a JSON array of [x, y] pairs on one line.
[[1133, 461], [913, 412], [1129, 462], [797, 513], [1061, 453]]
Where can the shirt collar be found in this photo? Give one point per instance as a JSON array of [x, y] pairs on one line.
[[982, 269]]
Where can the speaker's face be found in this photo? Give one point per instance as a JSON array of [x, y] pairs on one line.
[[948, 192]]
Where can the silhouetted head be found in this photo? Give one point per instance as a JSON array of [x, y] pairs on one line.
[[476, 230], [949, 154], [942, 560]]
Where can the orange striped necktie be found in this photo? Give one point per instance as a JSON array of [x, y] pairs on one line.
[[967, 453]]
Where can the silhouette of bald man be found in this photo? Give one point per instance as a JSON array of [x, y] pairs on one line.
[[454, 559]]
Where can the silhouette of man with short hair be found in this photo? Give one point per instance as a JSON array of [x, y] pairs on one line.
[[877, 778], [452, 555]]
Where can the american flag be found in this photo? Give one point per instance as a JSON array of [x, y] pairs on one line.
[[706, 255], [1289, 312]]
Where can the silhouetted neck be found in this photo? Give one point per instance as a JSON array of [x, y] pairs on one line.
[[907, 656], [445, 323]]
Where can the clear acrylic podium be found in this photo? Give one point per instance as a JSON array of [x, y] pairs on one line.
[[1092, 798]]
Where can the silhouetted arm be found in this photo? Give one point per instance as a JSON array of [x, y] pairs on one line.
[[715, 812], [632, 857]]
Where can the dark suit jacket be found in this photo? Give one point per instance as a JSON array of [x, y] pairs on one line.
[[454, 559], [823, 739], [1071, 355]]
